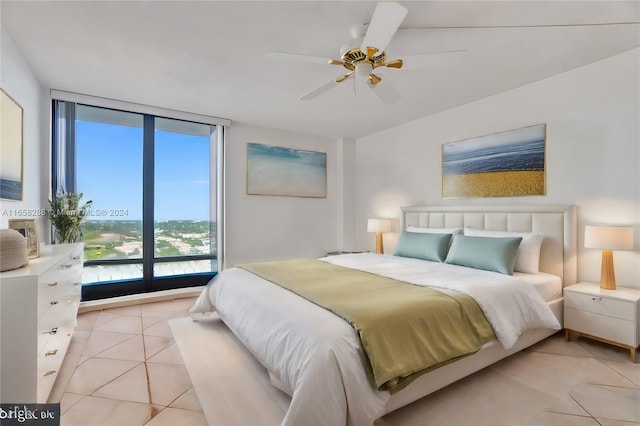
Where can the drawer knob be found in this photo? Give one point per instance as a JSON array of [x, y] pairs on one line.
[[48, 373], [54, 302], [51, 331], [75, 258], [53, 352], [596, 298], [53, 284], [76, 284]]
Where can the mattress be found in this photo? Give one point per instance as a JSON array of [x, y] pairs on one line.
[[547, 285]]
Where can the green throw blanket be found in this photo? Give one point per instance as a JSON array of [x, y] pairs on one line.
[[405, 330]]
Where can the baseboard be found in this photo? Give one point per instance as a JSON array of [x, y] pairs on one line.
[[136, 299]]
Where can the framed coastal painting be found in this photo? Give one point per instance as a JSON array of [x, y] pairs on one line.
[[276, 170], [11, 148], [505, 164]]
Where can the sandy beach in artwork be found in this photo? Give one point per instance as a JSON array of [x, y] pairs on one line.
[[494, 184]]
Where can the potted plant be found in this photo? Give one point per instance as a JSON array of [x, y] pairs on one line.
[[67, 216]]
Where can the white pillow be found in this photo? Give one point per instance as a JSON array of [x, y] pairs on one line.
[[528, 255], [453, 231]]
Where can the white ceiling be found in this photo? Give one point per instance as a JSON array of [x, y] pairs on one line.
[[209, 57]]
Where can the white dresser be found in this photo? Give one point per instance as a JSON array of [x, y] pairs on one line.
[[39, 303]]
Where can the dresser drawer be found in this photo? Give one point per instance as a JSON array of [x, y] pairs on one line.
[[610, 307], [57, 296], [46, 379], [61, 315], [61, 277], [52, 348], [604, 327]]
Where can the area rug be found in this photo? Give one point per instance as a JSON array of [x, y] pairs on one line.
[[233, 388]]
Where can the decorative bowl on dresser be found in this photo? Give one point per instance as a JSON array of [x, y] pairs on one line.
[[39, 304], [13, 250]]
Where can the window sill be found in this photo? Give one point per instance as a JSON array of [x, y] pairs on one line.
[[137, 299]]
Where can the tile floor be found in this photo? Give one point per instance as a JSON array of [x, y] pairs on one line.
[[123, 368], [553, 383]]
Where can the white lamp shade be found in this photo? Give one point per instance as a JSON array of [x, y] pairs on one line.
[[379, 225], [608, 237]]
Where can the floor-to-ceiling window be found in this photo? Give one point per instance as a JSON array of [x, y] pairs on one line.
[[153, 182]]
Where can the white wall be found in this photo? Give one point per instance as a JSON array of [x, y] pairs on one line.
[[346, 192], [258, 227], [17, 80], [592, 154], [267, 227]]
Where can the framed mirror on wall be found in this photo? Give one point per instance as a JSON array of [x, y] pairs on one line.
[[11, 118]]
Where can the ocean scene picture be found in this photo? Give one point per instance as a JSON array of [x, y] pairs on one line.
[[11, 148], [274, 170], [506, 164]]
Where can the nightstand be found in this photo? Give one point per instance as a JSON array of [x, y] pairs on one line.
[[610, 316]]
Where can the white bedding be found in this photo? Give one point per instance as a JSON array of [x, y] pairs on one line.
[[315, 354], [548, 286]]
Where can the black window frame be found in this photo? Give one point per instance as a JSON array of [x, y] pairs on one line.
[[64, 176]]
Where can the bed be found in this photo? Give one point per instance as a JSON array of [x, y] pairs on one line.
[[314, 356]]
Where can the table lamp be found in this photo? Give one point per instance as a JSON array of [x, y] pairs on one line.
[[379, 226], [608, 238]]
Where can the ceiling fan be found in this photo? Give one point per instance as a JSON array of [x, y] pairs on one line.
[[365, 54]]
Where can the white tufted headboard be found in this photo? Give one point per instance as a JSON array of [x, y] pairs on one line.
[[558, 224]]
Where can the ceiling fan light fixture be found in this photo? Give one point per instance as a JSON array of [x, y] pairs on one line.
[[363, 69]]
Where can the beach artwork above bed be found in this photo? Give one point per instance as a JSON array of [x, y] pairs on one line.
[[275, 170], [505, 164]]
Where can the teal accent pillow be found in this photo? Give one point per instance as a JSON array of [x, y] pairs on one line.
[[491, 254], [431, 247]]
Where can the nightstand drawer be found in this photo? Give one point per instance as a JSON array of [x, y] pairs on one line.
[[613, 329], [615, 308]]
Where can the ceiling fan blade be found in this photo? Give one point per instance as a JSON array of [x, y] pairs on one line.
[[385, 21], [344, 77], [503, 26], [452, 58], [355, 89], [319, 90], [386, 92], [292, 57]]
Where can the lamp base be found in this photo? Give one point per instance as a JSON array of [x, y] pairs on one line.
[[607, 273], [379, 248]]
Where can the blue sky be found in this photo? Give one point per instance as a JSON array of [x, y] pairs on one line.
[[109, 167]]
